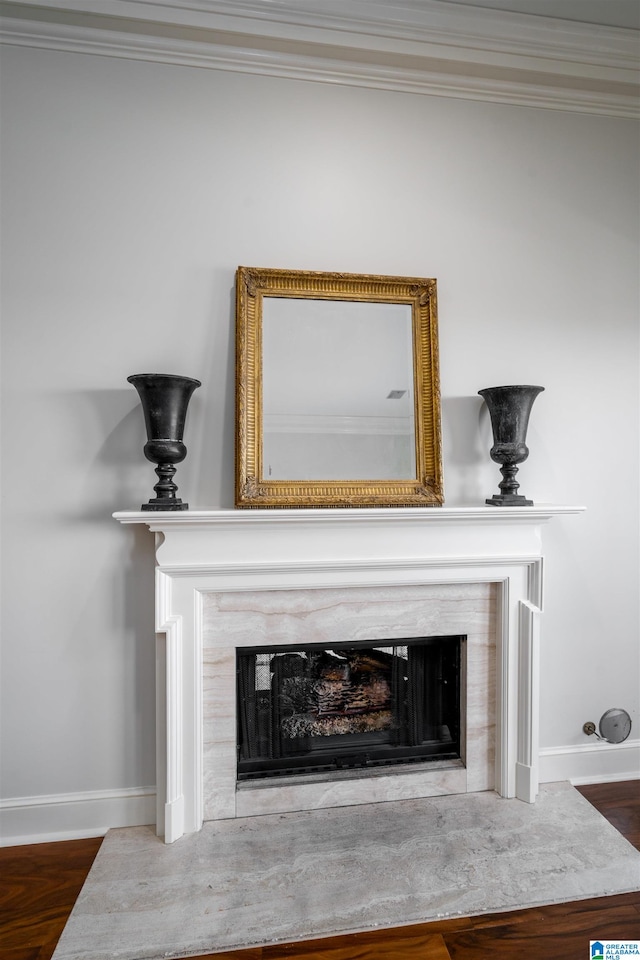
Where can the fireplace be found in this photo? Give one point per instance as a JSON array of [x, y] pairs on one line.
[[283, 582], [348, 623], [363, 705]]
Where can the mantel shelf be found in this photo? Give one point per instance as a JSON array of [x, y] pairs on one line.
[[539, 513], [208, 539]]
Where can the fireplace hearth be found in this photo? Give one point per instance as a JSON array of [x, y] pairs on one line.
[[365, 705]]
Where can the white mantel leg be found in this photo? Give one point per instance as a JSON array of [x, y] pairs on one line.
[[528, 703], [174, 802]]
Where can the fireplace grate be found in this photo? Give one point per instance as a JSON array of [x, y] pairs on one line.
[[315, 708]]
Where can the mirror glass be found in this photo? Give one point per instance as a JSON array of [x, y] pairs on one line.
[[337, 390]]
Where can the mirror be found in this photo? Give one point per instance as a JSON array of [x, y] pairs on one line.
[[337, 393]]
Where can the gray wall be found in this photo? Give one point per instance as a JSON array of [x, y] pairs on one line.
[[131, 193]]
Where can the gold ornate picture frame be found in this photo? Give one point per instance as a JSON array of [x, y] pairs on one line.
[[337, 380]]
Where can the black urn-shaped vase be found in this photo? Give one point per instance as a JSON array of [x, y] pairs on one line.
[[165, 398], [509, 408]]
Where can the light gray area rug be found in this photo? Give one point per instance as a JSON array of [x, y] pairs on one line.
[[294, 876]]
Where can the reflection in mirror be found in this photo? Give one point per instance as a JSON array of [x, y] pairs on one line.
[[337, 390]]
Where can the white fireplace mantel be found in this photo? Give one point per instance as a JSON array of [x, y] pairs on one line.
[[204, 551]]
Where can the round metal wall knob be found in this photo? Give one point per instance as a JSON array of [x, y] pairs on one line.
[[615, 726]]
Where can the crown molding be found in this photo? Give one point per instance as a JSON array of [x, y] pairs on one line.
[[339, 425], [416, 46]]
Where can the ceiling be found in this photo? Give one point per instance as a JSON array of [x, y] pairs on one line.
[[611, 13]]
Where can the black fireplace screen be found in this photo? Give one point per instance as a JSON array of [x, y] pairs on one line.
[[315, 708]]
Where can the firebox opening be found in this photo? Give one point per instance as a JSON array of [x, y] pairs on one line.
[[316, 708]]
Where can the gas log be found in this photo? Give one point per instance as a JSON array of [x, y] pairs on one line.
[[329, 692]]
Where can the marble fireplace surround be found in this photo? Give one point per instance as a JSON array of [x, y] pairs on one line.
[[228, 578]]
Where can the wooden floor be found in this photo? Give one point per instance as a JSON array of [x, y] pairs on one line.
[[40, 884]]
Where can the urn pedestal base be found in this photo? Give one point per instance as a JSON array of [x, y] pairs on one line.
[[156, 503], [508, 500]]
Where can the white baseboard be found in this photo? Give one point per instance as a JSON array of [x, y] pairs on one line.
[[73, 816], [591, 762]]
